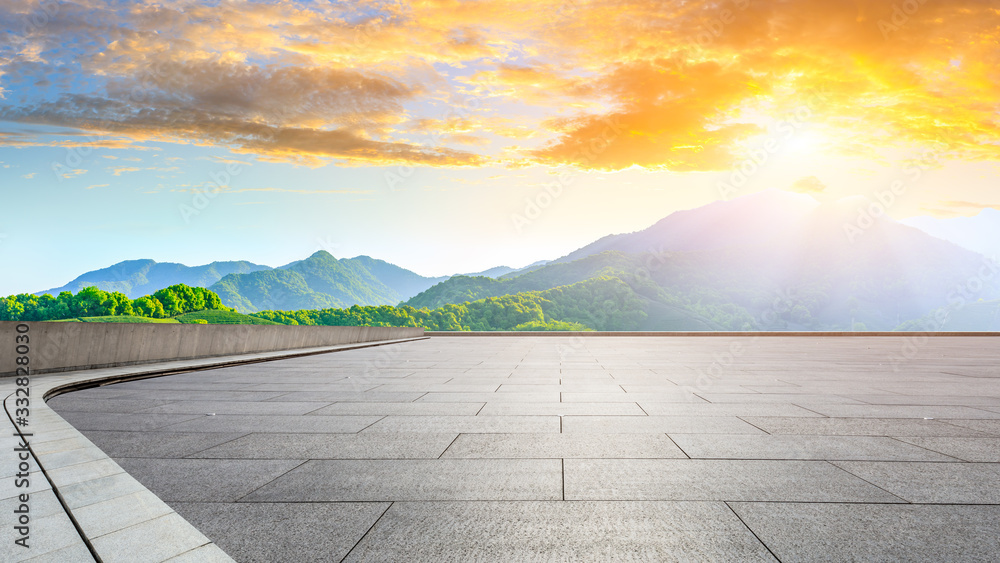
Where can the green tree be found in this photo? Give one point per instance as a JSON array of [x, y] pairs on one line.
[[148, 307], [88, 302], [172, 303]]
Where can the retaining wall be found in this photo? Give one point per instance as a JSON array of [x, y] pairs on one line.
[[55, 347]]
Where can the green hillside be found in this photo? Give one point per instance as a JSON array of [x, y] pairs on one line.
[[321, 281], [601, 303], [119, 319], [460, 289], [270, 289], [221, 318]]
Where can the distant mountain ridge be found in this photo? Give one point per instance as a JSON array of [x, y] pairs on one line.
[[772, 260], [319, 281], [749, 220], [137, 278], [979, 233], [779, 260]]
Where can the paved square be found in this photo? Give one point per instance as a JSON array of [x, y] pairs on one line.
[[558, 448]]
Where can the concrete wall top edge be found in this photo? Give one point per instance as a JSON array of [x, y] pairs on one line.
[[54, 347], [706, 333]]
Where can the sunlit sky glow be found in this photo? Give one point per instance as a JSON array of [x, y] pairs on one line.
[[417, 132]]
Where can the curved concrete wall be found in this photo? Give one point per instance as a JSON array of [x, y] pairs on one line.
[[56, 347]]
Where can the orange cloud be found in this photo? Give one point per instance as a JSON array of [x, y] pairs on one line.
[[601, 84]]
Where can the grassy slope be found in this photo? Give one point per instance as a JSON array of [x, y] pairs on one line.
[[122, 319], [222, 318], [213, 317]]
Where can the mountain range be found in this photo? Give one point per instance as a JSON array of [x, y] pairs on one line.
[[979, 233], [767, 261], [772, 261]]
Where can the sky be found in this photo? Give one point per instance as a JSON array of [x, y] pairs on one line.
[[451, 136]]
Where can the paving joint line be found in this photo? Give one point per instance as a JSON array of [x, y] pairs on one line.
[[749, 529]]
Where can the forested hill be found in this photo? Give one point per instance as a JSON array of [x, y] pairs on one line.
[[321, 281], [136, 278], [812, 277], [600, 303]]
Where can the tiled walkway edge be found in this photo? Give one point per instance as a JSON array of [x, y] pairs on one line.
[[83, 505]]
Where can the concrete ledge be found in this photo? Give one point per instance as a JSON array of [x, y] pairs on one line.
[[84, 506], [704, 333], [58, 347]]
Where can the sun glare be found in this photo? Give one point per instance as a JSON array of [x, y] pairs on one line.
[[806, 143]]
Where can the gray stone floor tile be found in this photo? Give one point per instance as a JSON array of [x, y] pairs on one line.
[[86, 471], [550, 445], [125, 422], [349, 396], [543, 409], [55, 446], [725, 480], [659, 424], [902, 411], [966, 449], [956, 483], [215, 395], [722, 446], [532, 397], [276, 423], [559, 531], [932, 400], [860, 426], [674, 396], [73, 553], [269, 532], [385, 409], [424, 445], [47, 535], [439, 479], [96, 490], [41, 503], [120, 512], [725, 409], [157, 444], [460, 424], [71, 403], [235, 407], [812, 399], [149, 542], [420, 387], [74, 456], [990, 427], [205, 480], [874, 532], [209, 553]]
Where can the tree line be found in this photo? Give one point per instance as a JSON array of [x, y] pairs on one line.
[[94, 302], [603, 303]]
